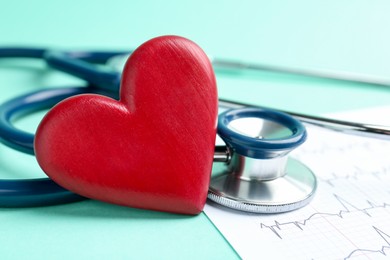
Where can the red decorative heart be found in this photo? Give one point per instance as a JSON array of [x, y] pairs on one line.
[[153, 148]]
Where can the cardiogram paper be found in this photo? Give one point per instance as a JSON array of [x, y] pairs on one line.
[[349, 217]]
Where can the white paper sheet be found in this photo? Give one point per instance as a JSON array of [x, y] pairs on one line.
[[349, 217]]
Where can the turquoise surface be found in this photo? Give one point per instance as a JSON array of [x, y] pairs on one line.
[[327, 35]]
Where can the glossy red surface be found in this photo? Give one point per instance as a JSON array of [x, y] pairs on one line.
[[154, 148]]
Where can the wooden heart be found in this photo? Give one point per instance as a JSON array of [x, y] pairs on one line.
[[153, 148]]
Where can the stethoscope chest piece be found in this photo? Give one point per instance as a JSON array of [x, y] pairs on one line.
[[259, 176]]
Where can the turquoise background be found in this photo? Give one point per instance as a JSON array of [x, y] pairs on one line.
[[327, 35]]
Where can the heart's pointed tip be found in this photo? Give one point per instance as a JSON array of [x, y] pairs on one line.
[[191, 210]]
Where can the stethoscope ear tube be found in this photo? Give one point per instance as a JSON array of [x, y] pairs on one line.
[[21, 52], [347, 127], [80, 64]]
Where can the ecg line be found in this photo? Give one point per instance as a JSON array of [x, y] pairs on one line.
[[355, 175], [328, 149], [301, 223], [383, 235]]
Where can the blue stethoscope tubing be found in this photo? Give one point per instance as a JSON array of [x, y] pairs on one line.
[[80, 64], [34, 192], [31, 192], [40, 192]]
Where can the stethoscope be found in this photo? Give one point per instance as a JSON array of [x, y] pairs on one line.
[[253, 171]]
